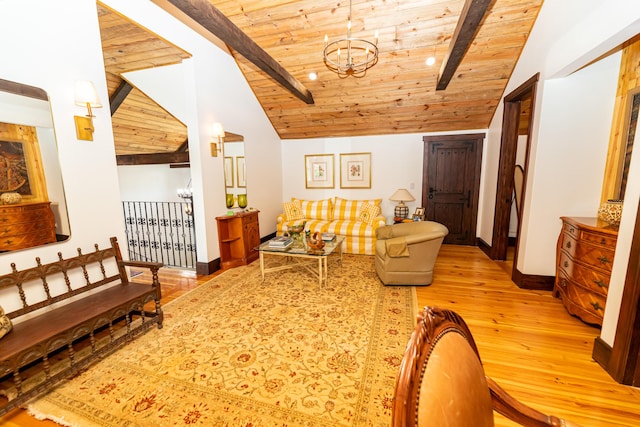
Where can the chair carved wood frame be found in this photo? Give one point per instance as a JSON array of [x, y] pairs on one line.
[[462, 396]]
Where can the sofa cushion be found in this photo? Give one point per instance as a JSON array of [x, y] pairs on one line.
[[292, 210], [368, 213], [344, 209], [316, 209]]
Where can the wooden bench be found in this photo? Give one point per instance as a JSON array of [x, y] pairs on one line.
[[67, 314]]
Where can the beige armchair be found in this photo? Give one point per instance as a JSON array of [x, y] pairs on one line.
[[406, 252]]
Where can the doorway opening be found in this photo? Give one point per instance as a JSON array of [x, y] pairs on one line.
[[514, 151]]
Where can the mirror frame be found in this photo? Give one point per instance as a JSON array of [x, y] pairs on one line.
[[234, 169], [37, 172]]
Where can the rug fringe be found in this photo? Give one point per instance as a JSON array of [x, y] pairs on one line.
[[39, 415]]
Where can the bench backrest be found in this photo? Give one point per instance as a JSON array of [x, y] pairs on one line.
[[47, 284]]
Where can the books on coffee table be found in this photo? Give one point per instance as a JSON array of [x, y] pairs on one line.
[[280, 242], [328, 237]]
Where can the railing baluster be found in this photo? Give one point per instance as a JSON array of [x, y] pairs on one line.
[[161, 232]]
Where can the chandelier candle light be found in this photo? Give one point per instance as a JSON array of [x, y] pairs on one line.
[[350, 56]]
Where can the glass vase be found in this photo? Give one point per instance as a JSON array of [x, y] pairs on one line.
[[230, 201], [242, 200]]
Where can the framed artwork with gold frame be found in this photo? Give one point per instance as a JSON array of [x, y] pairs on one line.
[[319, 170], [21, 168], [355, 170]]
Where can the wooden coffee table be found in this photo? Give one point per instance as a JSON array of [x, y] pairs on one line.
[[316, 262]]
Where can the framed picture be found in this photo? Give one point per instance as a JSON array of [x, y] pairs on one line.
[[228, 172], [241, 171], [355, 170], [418, 215], [22, 172], [319, 170]]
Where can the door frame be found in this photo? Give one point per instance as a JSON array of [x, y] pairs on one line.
[[506, 168]]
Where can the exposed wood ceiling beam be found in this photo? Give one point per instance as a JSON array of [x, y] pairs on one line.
[[468, 24], [151, 159], [184, 147], [119, 96], [201, 13]]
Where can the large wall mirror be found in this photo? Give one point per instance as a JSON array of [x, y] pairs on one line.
[[235, 176], [33, 208]]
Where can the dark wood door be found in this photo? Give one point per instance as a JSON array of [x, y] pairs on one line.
[[451, 182]]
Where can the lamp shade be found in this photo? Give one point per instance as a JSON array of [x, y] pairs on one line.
[[218, 130], [402, 195], [85, 93]]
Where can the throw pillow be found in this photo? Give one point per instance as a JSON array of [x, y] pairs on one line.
[[368, 213], [316, 209], [292, 210], [349, 210], [5, 323]]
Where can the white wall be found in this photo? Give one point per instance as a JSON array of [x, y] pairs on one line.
[[45, 40], [567, 158], [396, 162], [572, 120], [212, 90], [152, 183], [53, 44]]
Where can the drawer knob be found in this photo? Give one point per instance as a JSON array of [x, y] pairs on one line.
[[596, 305], [600, 283], [604, 260], [563, 283], [566, 264], [603, 241], [569, 245]]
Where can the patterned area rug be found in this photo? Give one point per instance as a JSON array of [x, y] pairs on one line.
[[239, 352]]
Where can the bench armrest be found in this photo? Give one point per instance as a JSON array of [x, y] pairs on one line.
[[142, 264]]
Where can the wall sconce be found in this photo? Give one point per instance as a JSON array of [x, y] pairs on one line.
[[85, 95], [218, 132]]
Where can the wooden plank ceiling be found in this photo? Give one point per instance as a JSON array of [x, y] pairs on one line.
[[140, 125], [397, 95]]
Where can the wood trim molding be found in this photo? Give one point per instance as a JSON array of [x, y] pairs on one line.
[[532, 281], [152, 159], [601, 353], [506, 165], [624, 365], [206, 268]]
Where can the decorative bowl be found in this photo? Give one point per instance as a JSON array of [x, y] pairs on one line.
[[10, 198], [611, 212]]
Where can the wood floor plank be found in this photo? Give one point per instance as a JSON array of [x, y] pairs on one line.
[[527, 341]]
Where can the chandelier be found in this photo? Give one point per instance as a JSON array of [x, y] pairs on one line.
[[350, 56]]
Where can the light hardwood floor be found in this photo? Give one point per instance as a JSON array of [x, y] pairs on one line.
[[527, 341]]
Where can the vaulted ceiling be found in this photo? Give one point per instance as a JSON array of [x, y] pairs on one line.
[[397, 95]]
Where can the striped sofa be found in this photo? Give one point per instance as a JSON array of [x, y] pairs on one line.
[[356, 220]]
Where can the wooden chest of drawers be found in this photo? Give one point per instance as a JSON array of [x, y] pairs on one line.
[[26, 225], [585, 251]]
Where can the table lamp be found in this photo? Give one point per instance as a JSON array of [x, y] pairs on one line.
[[401, 195]]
